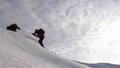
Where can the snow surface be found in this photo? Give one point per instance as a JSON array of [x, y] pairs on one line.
[[100, 65], [21, 50], [103, 65]]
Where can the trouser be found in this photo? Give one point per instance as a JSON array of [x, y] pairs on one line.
[[41, 41]]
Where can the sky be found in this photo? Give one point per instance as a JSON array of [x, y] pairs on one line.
[[83, 30]]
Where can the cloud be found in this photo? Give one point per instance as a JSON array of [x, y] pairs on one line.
[[17, 11], [71, 26]]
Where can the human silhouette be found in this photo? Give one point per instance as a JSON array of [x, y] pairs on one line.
[[40, 34], [13, 27]]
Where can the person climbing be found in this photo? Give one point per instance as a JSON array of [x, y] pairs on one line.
[[40, 34], [13, 27]]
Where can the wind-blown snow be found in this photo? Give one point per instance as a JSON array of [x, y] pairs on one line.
[[20, 50]]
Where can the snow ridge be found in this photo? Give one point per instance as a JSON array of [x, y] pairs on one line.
[[20, 50]]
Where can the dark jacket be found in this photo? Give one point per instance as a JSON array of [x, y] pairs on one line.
[[39, 33], [13, 27]]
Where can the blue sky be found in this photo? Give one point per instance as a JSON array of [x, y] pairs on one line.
[[84, 30]]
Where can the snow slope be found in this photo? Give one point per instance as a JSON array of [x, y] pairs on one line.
[[19, 50], [103, 65], [100, 65]]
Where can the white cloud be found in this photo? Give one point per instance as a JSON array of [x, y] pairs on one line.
[[72, 26]]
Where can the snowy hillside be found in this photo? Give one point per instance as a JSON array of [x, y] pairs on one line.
[[101, 65], [19, 50]]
